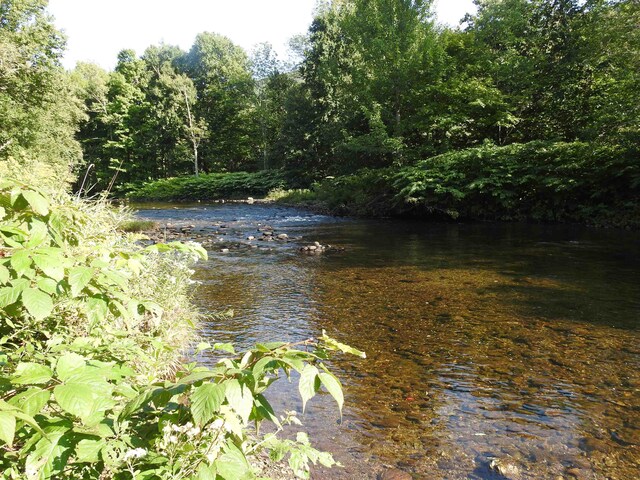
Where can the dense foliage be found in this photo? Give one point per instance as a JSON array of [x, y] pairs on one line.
[[376, 84], [92, 328], [39, 112], [210, 186], [538, 181]]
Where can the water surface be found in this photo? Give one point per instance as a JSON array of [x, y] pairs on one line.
[[512, 342]]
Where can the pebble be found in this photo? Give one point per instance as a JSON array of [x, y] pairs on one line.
[[504, 468], [394, 474], [575, 473]]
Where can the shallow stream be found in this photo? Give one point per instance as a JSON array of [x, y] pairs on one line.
[[490, 348]]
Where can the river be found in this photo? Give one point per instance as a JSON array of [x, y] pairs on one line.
[[490, 347]]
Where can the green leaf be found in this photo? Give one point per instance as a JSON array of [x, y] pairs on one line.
[[37, 303], [38, 203], [307, 384], [20, 261], [335, 345], [89, 450], [159, 396], [205, 402], [9, 296], [262, 364], [70, 364], [233, 465], [202, 346], [225, 347], [38, 233], [96, 309], [31, 401], [205, 472], [50, 264], [4, 275], [48, 456], [198, 376], [333, 386], [239, 398], [7, 427], [31, 373], [265, 410], [79, 277], [47, 285], [76, 398]]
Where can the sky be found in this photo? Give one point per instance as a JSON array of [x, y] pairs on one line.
[[98, 29]]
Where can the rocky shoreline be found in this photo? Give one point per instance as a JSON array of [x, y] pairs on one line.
[[224, 237]]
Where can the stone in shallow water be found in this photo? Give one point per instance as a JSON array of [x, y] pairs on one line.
[[394, 474], [505, 468]]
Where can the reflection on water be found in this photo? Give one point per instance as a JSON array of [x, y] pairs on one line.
[[484, 342]]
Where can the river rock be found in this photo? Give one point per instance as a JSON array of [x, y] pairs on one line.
[[576, 473], [283, 236], [251, 237], [505, 468], [394, 474], [225, 250]]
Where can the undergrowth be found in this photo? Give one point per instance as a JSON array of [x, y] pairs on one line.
[[538, 181], [93, 328], [212, 186]]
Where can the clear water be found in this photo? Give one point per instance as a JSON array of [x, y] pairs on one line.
[[510, 342]]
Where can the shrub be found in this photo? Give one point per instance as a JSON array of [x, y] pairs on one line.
[[92, 329], [212, 186], [540, 181], [537, 181]]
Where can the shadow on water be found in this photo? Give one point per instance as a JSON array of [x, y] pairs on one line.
[[489, 347]]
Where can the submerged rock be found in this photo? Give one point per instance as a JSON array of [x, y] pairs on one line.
[[394, 474], [505, 468]]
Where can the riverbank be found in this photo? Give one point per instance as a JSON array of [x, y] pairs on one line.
[[94, 327], [538, 182]]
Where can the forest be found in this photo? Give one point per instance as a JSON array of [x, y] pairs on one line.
[[543, 94]]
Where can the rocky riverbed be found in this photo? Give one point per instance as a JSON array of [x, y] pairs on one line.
[[493, 351], [223, 237]]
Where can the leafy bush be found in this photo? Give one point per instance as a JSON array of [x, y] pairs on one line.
[[211, 186], [133, 226], [92, 329], [538, 181]]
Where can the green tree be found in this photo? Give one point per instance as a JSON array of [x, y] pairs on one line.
[[369, 68], [222, 77], [38, 111]]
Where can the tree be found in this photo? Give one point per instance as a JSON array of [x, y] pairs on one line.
[[268, 84], [221, 74], [370, 65], [38, 111]]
